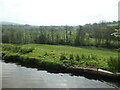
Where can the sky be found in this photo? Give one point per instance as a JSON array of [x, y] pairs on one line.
[[58, 12]]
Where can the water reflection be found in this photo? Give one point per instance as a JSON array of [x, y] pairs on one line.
[[15, 76]]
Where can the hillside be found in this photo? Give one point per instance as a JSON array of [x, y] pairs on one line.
[[8, 23]]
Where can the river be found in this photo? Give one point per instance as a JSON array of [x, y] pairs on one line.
[[17, 76]]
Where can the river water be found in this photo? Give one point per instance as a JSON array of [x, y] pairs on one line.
[[17, 76]]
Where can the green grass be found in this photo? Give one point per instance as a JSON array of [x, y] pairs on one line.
[[58, 49], [68, 56], [112, 24]]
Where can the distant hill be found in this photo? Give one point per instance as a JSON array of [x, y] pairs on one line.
[[12, 23], [8, 23]]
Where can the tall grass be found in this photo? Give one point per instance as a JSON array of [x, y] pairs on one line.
[[114, 64], [53, 55], [16, 49]]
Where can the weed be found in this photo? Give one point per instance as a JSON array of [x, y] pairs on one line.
[[62, 56], [77, 58], [71, 57]]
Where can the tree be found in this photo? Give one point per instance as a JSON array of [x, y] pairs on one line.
[[79, 40]]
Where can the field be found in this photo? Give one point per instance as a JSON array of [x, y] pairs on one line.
[[112, 24], [62, 55]]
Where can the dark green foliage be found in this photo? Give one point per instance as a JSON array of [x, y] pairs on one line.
[[26, 50], [71, 56], [63, 57], [114, 64], [89, 57], [3, 53], [11, 48], [94, 57], [77, 58], [50, 56], [66, 63], [83, 56], [92, 64], [17, 49], [50, 65], [97, 34], [46, 54], [13, 57], [118, 50], [33, 60]]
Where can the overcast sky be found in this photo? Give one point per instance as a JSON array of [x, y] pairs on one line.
[[58, 12]]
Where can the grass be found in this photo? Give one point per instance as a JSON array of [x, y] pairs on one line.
[[58, 49], [52, 56], [112, 24]]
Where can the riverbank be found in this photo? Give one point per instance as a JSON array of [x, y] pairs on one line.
[[60, 59]]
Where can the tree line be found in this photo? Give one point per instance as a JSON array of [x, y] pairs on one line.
[[97, 34]]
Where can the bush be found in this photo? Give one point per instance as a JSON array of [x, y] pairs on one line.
[[89, 57], [92, 64], [17, 49], [11, 48], [25, 50], [118, 50], [114, 64], [66, 62], [71, 62], [83, 56], [71, 56], [50, 65], [13, 57], [46, 54], [4, 53], [63, 57], [94, 57], [77, 58], [33, 60]]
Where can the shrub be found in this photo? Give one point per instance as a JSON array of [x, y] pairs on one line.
[[63, 57], [66, 62], [77, 58], [92, 64], [17, 49], [4, 53], [46, 54], [13, 57], [114, 64], [72, 62], [71, 56], [25, 50], [94, 57], [89, 57], [11, 48], [50, 65], [83, 56], [33, 60]]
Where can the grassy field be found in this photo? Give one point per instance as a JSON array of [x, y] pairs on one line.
[[112, 24], [58, 49], [68, 56]]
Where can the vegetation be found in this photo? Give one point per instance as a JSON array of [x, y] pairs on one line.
[[97, 34], [114, 64], [59, 56], [84, 46]]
